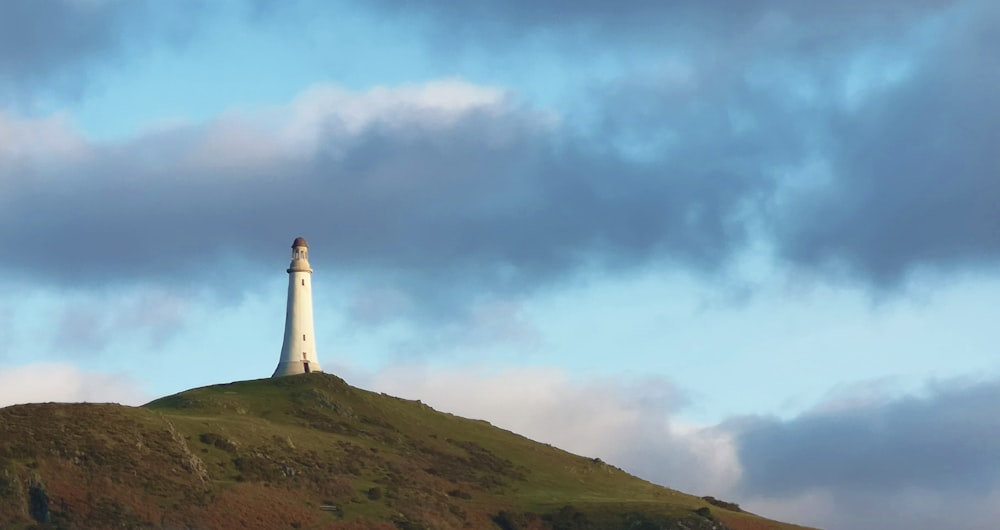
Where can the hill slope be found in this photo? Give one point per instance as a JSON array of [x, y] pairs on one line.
[[311, 452]]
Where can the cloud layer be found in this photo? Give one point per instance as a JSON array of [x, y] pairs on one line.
[[443, 180], [916, 177], [52, 50], [624, 421], [871, 460], [893, 104], [896, 462], [678, 159], [47, 382]]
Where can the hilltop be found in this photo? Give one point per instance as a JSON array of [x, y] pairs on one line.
[[312, 452]]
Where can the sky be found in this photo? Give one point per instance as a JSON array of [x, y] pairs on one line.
[[742, 249]]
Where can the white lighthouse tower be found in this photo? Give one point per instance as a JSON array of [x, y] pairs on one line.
[[298, 349]]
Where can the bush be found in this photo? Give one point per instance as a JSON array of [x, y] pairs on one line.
[[506, 521], [218, 441], [722, 504], [568, 518]]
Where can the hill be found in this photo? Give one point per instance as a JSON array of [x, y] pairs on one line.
[[312, 452]]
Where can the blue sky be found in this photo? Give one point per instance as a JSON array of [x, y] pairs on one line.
[[713, 244]]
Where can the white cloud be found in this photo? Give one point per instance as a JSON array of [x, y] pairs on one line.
[[324, 112], [39, 141], [45, 382], [329, 117], [814, 507], [626, 422], [235, 145], [438, 102]]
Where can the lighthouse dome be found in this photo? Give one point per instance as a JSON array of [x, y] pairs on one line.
[[300, 242]]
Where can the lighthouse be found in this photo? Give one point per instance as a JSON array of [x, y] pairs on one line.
[[298, 349]]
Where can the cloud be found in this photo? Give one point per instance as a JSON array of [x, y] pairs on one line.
[[441, 183], [476, 325], [26, 144], [917, 179], [896, 99], [907, 509], [37, 323], [8, 334], [680, 157], [941, 441], [648, 14], [899, 462], [54, 47], [45, 382], [627, 422], [89, 325], [42, 40], [726, 31]]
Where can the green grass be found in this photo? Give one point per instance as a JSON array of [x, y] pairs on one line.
[[270, 453]]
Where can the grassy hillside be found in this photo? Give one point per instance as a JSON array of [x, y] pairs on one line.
[[311, 452]]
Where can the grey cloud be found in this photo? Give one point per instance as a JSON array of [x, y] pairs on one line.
[[911, 509], [788, 23], [496, 200], [89, 326], [653, 166], [912, 462], [43, 39], [82, 328], [914, 176], [917, 178], [944, 442], [52, 47]]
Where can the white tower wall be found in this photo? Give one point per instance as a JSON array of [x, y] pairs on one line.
[[298, 348]]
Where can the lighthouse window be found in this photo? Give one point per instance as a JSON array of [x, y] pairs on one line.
[[303, 283], [303, 336]]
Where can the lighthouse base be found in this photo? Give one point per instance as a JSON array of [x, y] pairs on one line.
[[295, 368]]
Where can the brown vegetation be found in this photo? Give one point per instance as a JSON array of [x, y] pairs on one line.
[[310, 452]]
